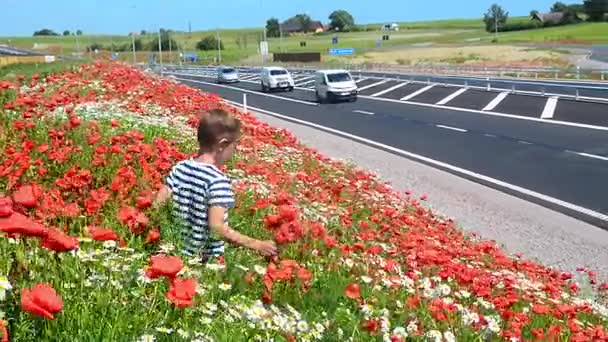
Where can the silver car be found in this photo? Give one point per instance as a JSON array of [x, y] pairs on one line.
[[227, 75]]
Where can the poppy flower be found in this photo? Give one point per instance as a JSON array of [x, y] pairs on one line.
[[3, 331], [41, 300], [353, 291], [6, 206], [56, 240], [20, 224], [26, 196], [102, 234], [153, 236], [143, 202], [182, 292], [161, 265], [135, 220]]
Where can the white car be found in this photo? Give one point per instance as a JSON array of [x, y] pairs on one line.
[[272, 78], [332, 85]]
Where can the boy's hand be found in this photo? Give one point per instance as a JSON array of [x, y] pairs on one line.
[[267, 248]]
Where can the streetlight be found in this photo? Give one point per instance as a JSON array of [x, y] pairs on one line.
[[160, 52]]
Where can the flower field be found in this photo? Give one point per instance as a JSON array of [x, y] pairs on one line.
[[84, 256]]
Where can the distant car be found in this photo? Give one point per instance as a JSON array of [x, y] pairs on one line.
[[272, 78], [332, 85], [227, 75]]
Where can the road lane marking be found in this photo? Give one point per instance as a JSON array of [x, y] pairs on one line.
[[417, 92], [373, 85], [250, 91], [455, 169], [458, 109], [382, 92], [361, 79], [302, 84], [588, 155], [248, 77], [496, 101], [452, 96], [524, 142], [452, 128], [549, 108], [363, 112]]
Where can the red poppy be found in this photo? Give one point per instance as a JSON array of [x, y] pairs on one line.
[[153, 236], [135, 220], [6, 206], [56, 240], [41, 300], [26, 196], [3, 331], [353, 291], [20, 224], [266, 297], [182, 292], [161, 265], [102, 234]]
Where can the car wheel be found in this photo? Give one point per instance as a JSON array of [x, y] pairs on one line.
[[290, 89], [353, 99], [319, 99], [264, 89]]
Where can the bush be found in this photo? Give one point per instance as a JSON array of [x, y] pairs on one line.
[[209, 43], [520, 26]]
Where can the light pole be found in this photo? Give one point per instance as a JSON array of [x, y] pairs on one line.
[[133, 42], [160, 53], [219, 46]]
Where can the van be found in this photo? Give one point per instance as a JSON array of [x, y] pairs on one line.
[[333, 85], [272, 78]]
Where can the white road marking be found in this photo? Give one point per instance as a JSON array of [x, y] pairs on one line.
[[490, 135], [303, 83], [250, 91], [363, 112], [248, 77], [373, 85], [524, 142], [589, 155], [436, 163], [473, 111], [462, 110], [301, 78], [452, 96], [452, 128], [417, 92], [549, 108], [389, 89], [496, 101], [361, 79]]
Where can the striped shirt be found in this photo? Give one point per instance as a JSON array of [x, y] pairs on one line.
[[195, 187]]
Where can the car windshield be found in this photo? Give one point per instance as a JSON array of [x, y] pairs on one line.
[[340, 77], [278, 72], [228, 70]]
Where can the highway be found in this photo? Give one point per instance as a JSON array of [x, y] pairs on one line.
[[563, 166]]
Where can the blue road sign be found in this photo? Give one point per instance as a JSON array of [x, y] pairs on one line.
[[342, 51], [334, 40]]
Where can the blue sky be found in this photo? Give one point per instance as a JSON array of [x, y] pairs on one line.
[[23, 17]]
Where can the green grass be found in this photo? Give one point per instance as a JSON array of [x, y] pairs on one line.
[[28, 69], [590, 32]]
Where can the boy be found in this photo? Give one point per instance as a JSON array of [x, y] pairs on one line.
[[202, 193]]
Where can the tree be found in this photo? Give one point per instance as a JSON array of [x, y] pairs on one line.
[[273, 27], [79, 32], [534, 13], [495, 17], [559, 7], [66, 32], [303, 20], [166, 43], [143, 32], [596, 9], [209, 43], [341, 20], [45, 32]]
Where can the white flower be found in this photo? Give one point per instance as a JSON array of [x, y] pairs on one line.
[[245, 269], [183, 333], [224, 286], [412, 327], [206, 320], [493, 324], [261, 270], [444, 290], [449, 336], [302, 326], [366, 279], [5, 284], [400, 332], [164, 330], [147, 338], [434, 336], [215, 267], [109, 244]]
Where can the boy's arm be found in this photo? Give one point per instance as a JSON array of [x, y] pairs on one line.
[[162, 196]]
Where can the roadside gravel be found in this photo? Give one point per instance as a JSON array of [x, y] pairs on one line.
[[538, 233]]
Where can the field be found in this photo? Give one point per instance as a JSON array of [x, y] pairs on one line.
[[84, 152], [241, 45]]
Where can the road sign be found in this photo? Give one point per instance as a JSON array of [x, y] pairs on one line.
[[264, 48], [334, 40], [342, 51]]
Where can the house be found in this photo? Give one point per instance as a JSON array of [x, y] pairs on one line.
[[390, 27], [555, 18], [296, 27]]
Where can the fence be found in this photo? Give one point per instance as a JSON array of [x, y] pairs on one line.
[[6, 60]]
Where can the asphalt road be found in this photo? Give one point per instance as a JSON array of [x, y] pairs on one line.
[[593, 91], [564, 162]]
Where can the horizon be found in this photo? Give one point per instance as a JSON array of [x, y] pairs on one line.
[[118, 18]]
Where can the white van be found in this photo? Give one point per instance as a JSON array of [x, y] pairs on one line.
[[332, 85], [276, 78]]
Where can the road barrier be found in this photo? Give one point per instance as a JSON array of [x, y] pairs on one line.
[[6, 60], [305, 57]]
